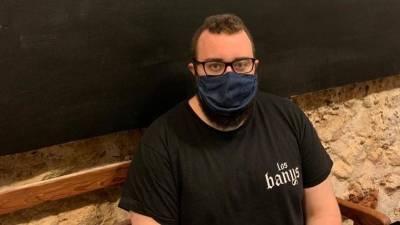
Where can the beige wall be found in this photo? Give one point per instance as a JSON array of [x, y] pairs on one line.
[[359, 124]]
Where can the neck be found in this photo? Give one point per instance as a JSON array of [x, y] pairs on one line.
[[194, 103]]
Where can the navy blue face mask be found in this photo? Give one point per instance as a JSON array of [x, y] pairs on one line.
[[227, 94]]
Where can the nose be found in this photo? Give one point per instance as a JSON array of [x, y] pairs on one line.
[[228, 69]]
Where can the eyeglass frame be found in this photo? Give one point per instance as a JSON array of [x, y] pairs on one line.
[[196, 62]]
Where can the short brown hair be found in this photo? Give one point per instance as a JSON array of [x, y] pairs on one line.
[[221, 23]]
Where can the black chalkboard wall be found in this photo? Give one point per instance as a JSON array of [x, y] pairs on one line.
[[72, 69]]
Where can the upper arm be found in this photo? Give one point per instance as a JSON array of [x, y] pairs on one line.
[[139, 219], [150, 188], [320, 204], [316, 163]]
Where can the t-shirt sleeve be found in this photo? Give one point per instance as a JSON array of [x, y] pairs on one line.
[[316, 163], [150, 188]]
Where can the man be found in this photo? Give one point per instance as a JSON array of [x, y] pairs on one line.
[[230, 154]]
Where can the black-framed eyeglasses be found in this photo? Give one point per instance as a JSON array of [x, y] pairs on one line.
[[217, 68]]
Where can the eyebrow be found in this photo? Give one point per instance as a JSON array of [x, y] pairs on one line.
[[221, 60]]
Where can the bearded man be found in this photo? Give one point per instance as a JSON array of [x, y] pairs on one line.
[[231, 154]]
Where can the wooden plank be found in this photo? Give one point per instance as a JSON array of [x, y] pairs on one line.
[[362, 215], [29, 195]]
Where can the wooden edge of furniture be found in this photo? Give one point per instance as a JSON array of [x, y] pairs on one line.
[[362, 215], [26, 196], [29, 195], [124, 222]]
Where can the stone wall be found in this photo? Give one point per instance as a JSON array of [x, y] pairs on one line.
[[359, 124]]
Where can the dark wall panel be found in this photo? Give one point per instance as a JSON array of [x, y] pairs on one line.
[[73, 69]]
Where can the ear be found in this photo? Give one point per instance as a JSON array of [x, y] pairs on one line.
[[256, 65], [190, 66]]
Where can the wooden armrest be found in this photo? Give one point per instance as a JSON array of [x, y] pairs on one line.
[[26, 196], [362, 215], [124, 222]]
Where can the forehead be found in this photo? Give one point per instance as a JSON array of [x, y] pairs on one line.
[[223, 46]]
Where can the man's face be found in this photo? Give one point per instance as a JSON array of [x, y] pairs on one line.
[[223, 47], [226, 48]]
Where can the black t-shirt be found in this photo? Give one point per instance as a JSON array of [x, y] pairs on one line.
[[186, 172]]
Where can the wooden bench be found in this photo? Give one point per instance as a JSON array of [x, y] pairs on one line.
[[26, 196]]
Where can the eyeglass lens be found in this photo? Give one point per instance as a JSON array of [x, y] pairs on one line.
[[218, 68]]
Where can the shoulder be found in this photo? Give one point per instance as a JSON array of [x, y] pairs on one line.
[[275, 102], [281, 109], [265, 96], [158, 130]]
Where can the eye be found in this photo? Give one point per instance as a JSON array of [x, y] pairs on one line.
[[243, 65], [214, 66]]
